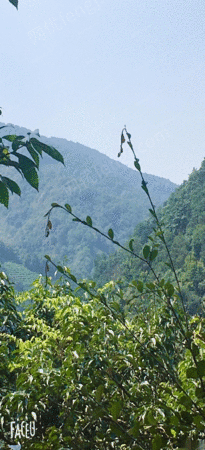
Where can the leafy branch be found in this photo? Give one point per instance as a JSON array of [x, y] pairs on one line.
[[160, 232], [27, 167]]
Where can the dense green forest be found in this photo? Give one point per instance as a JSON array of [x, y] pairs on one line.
[[183, 216], [94, 185]]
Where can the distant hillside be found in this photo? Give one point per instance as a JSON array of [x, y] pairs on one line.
[[183, 216], [93, 184]]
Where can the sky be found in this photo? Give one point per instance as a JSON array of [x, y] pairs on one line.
[[82, 70]]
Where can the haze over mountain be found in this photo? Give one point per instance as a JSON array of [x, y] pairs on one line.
[[94, 185]]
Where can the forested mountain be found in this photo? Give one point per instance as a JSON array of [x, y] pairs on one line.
[[93, 184], [183, 216]]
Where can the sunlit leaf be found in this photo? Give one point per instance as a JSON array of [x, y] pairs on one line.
[[10, 137]]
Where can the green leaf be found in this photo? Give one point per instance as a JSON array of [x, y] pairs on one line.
[[153, 254], [14, 188], [122, 138], [174, 420], [199, 392], [157, 443], [36, 147], [198, 420], [187, 417], [131, 245], [195, 349], [27, 166], [68, 207], [110, 233], [10, 137], [14, 2], [130, 144], [51, 151], [32, 177], [15, 164], [47, 257], [116, 409], [4, 194], [134, 431], [121, 151], [170, 288], [54, 204], [186, 401], [144, 187], [20, 138], [146, 251], [116, 306], [201, 368], [33, 153], [136, 164], [191, 372], [76, 219], [151, 286], [73, 277], [17, 144], [151, 419], [99, 392], [60, 269], [89, 221], [139, 285]]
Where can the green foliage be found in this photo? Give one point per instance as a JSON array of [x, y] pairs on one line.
[[183, 218], [94, 381], [25, 166], [93, 373]]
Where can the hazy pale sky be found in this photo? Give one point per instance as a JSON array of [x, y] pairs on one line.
[[82, 70]]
